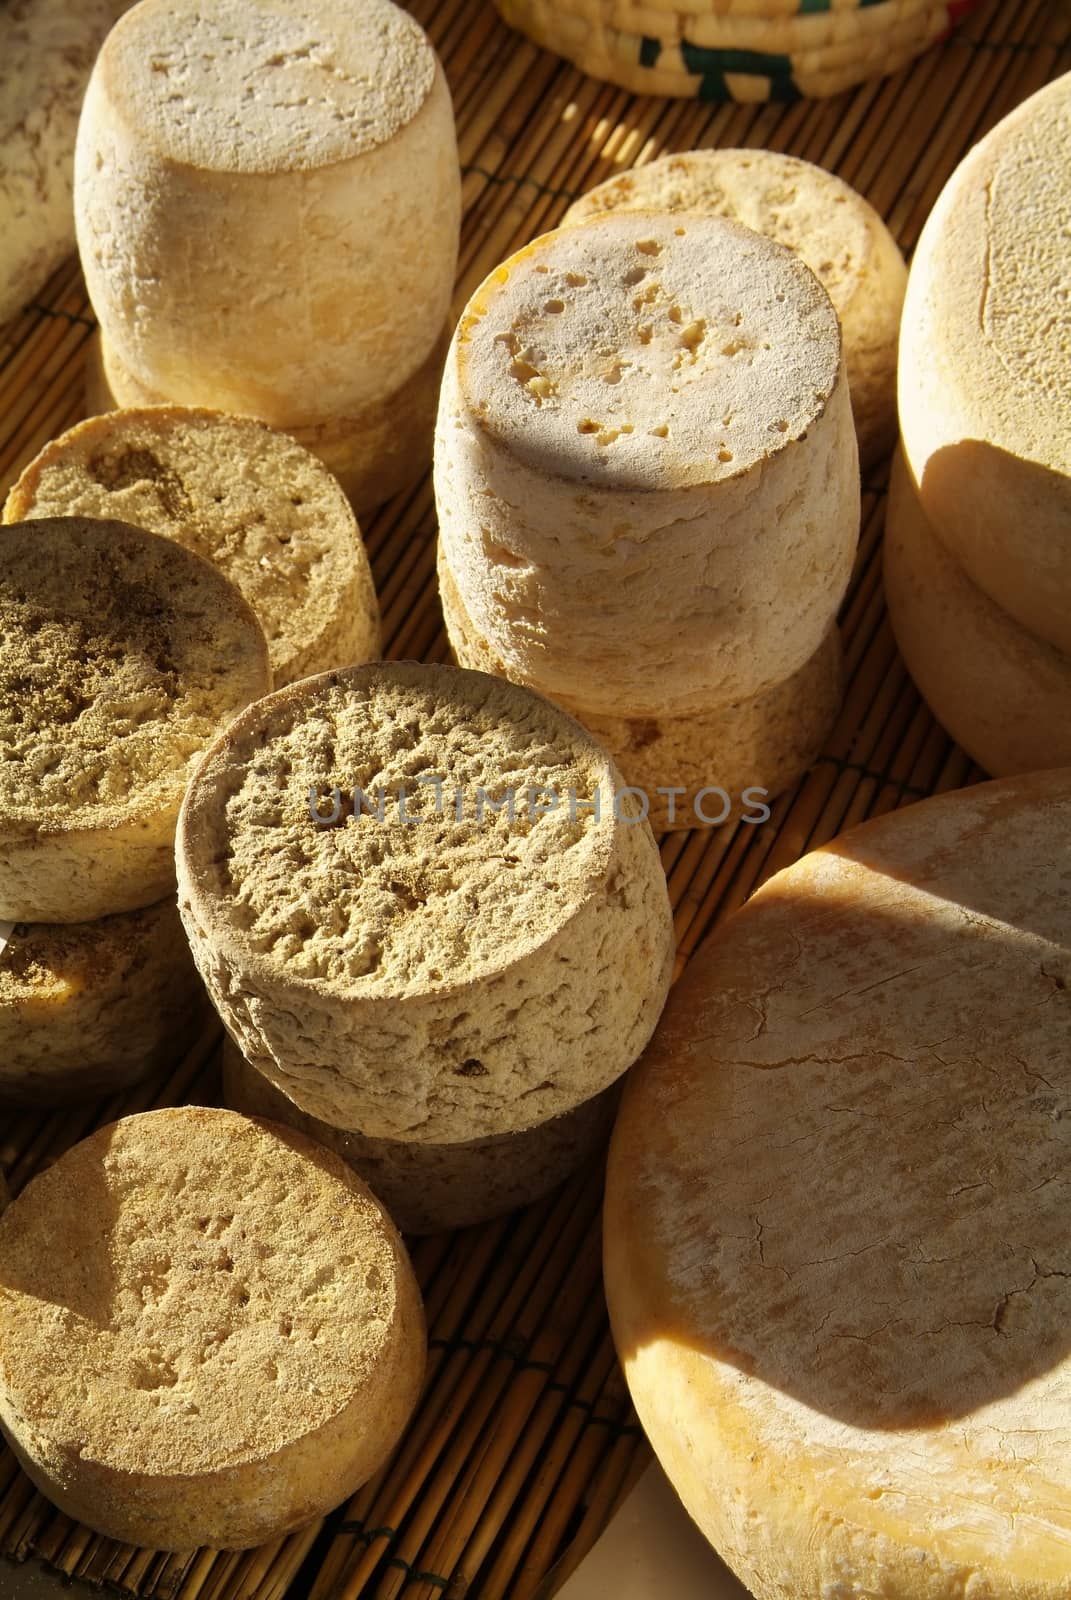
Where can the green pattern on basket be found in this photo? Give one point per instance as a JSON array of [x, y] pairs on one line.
[[711, 66]]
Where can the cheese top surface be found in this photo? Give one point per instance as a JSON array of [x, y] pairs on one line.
[[645, 351], [839, 1264], [262, 86], [431, 873]]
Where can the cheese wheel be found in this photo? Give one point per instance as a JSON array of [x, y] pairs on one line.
[[267, 202], [1002, 694], [646, 470], [246, 498], [210, 1332], [707, 767], [419, 965], [428, 1188], [836, 1220], [985, 365], [824, 220], [375, 454], [49, 49], [124, 656], [89, 1008]]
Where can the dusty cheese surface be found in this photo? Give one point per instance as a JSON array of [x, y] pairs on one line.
[[124, 656], [443, 977], [258, 88], [836, 1242], [985, 364], [188, 1298], [243, 496], [824, 220]]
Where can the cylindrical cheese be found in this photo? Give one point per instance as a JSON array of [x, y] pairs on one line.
[[428, 1188], [1002, 694], [836, 1241], [375, 454], [832, 228], [267, 202], [245, 497], [703, 768], [124, 656], [646, 469], [89, 1008], [985, 365], [417, 906], [210, 1332]]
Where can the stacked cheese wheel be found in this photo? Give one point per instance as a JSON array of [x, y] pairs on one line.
[[210, 1332], [267, 204], [124, 655], [978, 553], [648, 492], [433, 936], [836, 1239]]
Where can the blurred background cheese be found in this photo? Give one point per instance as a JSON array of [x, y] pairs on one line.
[[985, 365], [1003, 695], [831, 227], [247, 498], [836, 1244], [268, 202]]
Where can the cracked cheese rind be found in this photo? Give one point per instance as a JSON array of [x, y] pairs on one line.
[[429, 1188], [374, 454], [124, 656], [765, 743], [210, 1332], [646, 469], [246, 498], [985, 365], [836, 1241], [1002, 694], [826, 222], [441, 980], [89, 1008], [257, 191]]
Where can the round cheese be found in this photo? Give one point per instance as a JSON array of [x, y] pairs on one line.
[[832, 228], [646, 470], [246, 498], [429, 1188], [210, 1333], [836, 1239], [418, 908], [704, 768], [1003, 695], [89, 1008], [985, 365], [267, 202], [124, 656], [374, 454]]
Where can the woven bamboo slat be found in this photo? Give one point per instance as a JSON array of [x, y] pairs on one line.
[[524, 1440]]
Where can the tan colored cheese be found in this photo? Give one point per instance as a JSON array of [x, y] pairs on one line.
[[646, 470], [92, 1007], [425, 976], [375, 454], [708, 758], [832, 228], [267, 202], [836, 1239], [210, 1332], [124, 656], [241, 495], [1002, 694], [985, 365], [49, 49], [428, 1188]]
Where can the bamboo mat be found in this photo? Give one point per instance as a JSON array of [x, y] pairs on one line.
[[525, 1440]]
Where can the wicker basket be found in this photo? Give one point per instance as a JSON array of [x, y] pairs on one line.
[[736, 49]]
